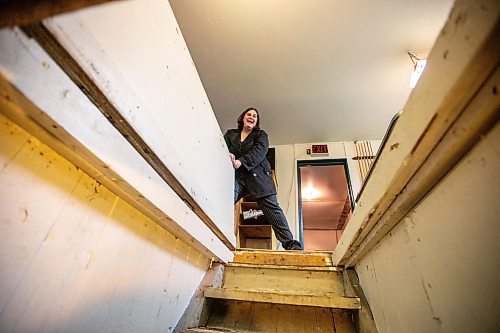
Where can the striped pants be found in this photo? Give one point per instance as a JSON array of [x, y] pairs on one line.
[[274, 214]]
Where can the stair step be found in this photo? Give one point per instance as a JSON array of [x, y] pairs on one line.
[[238, 316], [289, 267], [300, 281], [284, 258], [327, 300], [213, 330]]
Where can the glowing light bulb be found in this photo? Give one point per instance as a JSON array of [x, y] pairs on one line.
[[310, 193]]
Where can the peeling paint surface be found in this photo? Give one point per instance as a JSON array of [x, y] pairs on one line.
[[77, 258]]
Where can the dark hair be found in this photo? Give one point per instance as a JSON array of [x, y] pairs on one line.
[[240, 118]]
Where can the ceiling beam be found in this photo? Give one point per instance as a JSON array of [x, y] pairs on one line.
[[21, 12]]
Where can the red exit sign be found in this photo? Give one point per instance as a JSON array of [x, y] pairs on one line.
[[319, 149]]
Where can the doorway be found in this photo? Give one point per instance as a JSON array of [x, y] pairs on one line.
[[325, 202]]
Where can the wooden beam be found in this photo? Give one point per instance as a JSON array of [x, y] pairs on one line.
[[197, 312], [79, 134], [21, 12], [478, 118], [326, 301], [364, 318], [462, 60], [89, 87], [162, 98], [289, 267]]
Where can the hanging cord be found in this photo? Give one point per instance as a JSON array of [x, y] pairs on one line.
[[413, 58]]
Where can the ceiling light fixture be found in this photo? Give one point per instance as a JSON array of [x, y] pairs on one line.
[[418, 68], [310, 193]]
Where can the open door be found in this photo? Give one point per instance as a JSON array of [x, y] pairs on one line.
[[325, 202]]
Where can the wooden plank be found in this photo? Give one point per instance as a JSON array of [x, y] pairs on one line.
[[364, 317], [214, 330], [479, 116], [391, 279], [323, 321], [284, 258], [348, 287], [162, 98], [68, 242], [21, 12], [232, 315], [79, 137], [454, 226], [194, 314], [268, 296], [461, 61], [298, 319], [237, 212], [120, 121], [291, 319], [292, 281], [255, 231], [12, 140], [266, 317], [34, 172], [343, 322], [288, 267]]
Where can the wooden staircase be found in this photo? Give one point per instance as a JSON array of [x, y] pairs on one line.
[[280, 291]]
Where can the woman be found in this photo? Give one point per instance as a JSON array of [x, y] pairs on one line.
[[248, 148]]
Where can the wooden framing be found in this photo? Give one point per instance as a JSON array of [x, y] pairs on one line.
[[283, 258], [364, 317], [118, 119], [20, 12], [326, 301], [246, 317], [291, 267], [455, 102], [39, 78], [282, 280]]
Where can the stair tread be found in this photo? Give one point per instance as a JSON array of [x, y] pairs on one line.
[[296, 252], [284, 258], [214, 330], [330, 300], [287, 267]]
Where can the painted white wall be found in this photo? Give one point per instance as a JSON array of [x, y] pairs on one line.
[[55, 102], [77, 258], [286, 172], [437, 270], [136, 54]]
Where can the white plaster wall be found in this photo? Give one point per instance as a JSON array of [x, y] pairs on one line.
[[74, 257], [437, 270], [286, 172]]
